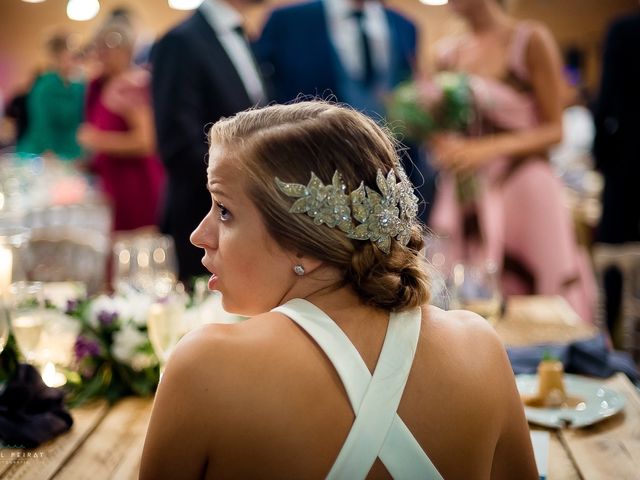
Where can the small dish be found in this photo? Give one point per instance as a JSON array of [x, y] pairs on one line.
[[600, 402]]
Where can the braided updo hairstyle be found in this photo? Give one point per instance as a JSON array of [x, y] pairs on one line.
[[290, 142]]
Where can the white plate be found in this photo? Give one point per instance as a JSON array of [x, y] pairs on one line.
[[600, 402]]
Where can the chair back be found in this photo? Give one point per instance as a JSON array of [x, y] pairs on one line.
[[626, 258]]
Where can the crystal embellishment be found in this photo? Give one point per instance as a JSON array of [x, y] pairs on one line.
[[379, 215]]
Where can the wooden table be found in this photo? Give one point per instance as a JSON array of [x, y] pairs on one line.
[[106, 443]]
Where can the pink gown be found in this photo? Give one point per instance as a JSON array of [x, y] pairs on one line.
[[133, 184], [526, 227]]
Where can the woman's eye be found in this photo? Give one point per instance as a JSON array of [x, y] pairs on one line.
[[223, 213]]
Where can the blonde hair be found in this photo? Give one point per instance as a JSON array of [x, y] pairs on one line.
[[290, 142]]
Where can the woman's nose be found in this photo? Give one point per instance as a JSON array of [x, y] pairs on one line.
[[205, 234]]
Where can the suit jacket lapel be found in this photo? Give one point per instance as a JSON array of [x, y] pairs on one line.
[[328, 49], [221, 62]]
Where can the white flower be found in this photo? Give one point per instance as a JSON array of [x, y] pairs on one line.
[[60, 293], [142, 360], [126, 345], [138, 308]]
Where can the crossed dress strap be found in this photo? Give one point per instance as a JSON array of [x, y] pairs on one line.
[[377, 431]]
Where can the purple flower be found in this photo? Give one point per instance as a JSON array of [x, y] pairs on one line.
[[85, 347], [106, 319]]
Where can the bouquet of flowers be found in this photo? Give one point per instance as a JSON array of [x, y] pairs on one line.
[[417, 109]]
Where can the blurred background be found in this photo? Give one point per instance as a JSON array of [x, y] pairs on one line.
[[578, 25]]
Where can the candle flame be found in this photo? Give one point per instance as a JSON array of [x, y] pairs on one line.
[[51, 377]]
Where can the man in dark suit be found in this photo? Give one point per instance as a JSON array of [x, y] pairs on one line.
[[617, 146], [203, 70], [353, 51], [617, 142]]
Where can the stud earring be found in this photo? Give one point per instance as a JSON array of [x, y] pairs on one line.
[[298, 270]]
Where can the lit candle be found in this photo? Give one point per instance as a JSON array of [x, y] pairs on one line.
[[6, 266], [51, 377]]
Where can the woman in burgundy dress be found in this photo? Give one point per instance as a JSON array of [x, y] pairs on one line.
[[119, 132]]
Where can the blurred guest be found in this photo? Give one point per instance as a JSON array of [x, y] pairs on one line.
[[516, 216], [617, 145], [119, 131], [354, 50], [617, 142], [203, 70], [143, 39], [54, 106]]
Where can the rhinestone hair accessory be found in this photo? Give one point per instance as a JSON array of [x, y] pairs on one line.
[[379, 215]]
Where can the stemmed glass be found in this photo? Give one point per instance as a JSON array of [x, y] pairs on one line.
[[165, 324], [27, 316], [146, 264], [475, 288]]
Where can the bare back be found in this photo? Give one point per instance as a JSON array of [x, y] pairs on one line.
[[261, 399]]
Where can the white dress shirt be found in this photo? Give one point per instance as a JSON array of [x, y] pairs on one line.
[[224, 19], [344, 33]]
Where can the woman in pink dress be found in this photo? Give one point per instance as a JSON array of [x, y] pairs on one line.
[[518, 218], [119, 132]]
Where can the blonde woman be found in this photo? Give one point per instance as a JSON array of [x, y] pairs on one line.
[[312, 233]]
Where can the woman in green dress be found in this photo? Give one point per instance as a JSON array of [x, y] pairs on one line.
[[55, 106]]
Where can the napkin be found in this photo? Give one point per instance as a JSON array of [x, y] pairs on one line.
[[30, 412], [587, 357], [540, 443]]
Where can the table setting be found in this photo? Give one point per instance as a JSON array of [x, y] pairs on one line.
[[85, 355]]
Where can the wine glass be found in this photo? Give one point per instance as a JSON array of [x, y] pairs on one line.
[[475, 288], [27, 316], [165, 325], [122, 265]]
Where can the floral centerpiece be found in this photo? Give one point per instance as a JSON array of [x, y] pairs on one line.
[[113, 356]]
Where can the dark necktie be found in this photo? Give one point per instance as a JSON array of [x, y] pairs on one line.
[[369, 72], [240, 31]]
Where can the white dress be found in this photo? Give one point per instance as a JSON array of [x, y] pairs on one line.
[[378, 431]]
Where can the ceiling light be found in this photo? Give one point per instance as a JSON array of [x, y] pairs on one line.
[[184, 4], [81, 10], [434, 2]]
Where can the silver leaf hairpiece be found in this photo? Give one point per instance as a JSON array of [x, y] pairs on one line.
[[380, 215]]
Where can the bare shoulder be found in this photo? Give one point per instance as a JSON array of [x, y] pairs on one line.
[[471, 347], [217, 365], [223, 345], [541, 42], [459, 327]]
